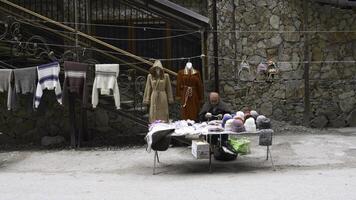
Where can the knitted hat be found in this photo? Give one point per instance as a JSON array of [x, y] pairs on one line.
[[259, 119], [240, 115], [254, 114], [244, 71], [250, 125], [229, 125], [225, 118], [262, 68], [238, 125]]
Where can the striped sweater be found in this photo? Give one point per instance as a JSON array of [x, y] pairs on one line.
[[106, 81], [48, 78]]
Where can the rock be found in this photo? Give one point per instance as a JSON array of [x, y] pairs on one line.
[[275, 41], [48, 140], [244, 41], [319, 122], [351, 119], [292, 37], [274, 21], [229, 89], [266, 109], [332, 74], [347, 105], [227, 42], [261, 3], [255, 59], [272, 52], [346, 95], [261, 44], [330, 112], [285, 66], [280, 94], [338, 122], [271, 3], [250, 18], [294, 89], [278, 114]]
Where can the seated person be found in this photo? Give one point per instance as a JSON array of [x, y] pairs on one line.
[[214, 109]]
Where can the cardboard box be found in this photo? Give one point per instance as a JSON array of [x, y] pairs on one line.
[[200, 149]]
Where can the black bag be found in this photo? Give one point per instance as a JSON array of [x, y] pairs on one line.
[[161, 140], [224, 154], [265, 138], [265, 124]]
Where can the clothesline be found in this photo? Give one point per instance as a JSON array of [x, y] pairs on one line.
[[46, 76], [195, 30], [116, 39], [180, 58]]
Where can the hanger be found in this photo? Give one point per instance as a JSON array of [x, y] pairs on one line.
[[189, 65]]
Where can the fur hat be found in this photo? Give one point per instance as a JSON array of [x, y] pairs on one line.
[[250, 125], [225, 118]]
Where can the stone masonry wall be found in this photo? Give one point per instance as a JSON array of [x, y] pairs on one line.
[[271, 29]]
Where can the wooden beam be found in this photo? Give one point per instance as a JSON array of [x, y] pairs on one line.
[[83, 35], [81, 43]]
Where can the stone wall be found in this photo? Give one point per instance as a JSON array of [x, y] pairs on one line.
[[270, 29], [27, 126]]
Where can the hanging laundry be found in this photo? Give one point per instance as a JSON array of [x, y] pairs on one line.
[[25, 80], [48, 78], [75, 80], [106, 82], [5, 85]]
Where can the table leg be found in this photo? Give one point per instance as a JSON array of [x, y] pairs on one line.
[[210, 152], [154, 163], [157, 156], [270, 154]]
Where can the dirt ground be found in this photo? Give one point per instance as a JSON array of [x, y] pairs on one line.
[[310, 164]]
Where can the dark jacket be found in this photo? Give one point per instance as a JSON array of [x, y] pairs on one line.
[[220, 108]]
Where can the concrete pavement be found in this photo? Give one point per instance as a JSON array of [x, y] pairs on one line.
[[318, 166]]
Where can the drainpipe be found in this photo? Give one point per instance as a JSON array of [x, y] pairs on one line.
[[76, 29], [306, 65], [216, 47]]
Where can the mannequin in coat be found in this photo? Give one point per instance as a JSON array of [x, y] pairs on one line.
[[158, 93], [189, 91]]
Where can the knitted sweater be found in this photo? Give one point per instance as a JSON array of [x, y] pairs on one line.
[[75, 80], [48, 78], [25, 80], [106, 81], [5, 85]]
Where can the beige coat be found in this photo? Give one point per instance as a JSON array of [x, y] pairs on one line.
[[158, 93]]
